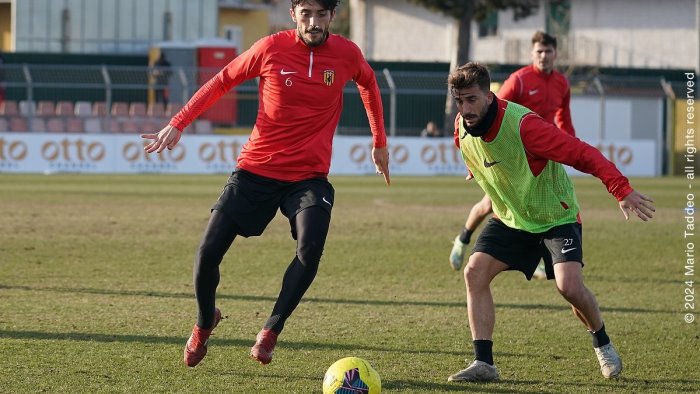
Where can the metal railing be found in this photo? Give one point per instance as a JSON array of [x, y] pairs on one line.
[[411, 98]]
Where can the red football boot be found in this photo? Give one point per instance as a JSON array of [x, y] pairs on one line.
[[196, 347], [264, 345]]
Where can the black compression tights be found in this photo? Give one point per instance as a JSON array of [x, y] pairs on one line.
[[312, 227]]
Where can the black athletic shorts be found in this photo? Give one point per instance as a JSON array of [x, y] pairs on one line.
[[522, 250], [252, 200]]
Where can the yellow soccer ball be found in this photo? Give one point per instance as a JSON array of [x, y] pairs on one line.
[[351, 375]]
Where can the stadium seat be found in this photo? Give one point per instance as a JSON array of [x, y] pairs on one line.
[[113, 126], [82, 108], [93, 125], [9, 108], [55, 125], [18, 123], [4, 126], [129, 126], [27, 108], [99, 108], [120, 109], [171, 109], [74, 125], [137, 110], [156, 110], [65, 108], [203, 126], [37, 125], [46, 108], [150, 127]]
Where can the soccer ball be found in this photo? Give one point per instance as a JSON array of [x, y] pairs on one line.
[[351, 375]]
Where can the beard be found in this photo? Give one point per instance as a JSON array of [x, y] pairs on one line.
[[315, 39], [485, 119]]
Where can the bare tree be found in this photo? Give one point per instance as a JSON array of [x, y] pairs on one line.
[[466, 11]]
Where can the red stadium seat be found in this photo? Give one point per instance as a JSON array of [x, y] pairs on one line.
[[99, 108], [55, 125], [120, 109], [18, 123], [171, 109], [137, 110], [9, 108], [46, 108], [74, 125], [65, 108], [156, 110], [129, 127]]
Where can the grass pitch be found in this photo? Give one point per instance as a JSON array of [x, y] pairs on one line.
[[96, 292]]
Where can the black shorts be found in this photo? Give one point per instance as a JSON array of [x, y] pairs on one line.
[[522, 250], [251, 201]]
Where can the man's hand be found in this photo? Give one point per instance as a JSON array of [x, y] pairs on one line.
[[639, 204], [167, 137], [380, 157]]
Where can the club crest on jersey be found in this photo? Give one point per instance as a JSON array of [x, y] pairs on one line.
[[328, 77]]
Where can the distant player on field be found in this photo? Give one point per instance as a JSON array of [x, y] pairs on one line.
[[285, 163], [546, 92], [514, 155]]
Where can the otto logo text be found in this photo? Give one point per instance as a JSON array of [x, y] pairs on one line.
[[73, 150], [13, 150]]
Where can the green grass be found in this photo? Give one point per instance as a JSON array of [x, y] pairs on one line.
[[96, 293]]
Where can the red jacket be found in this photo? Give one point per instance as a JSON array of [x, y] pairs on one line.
[[548, 95], [301, 99], [543, 141]]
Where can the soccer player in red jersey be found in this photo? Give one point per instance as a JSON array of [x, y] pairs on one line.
[[285, 163], [546, 92]]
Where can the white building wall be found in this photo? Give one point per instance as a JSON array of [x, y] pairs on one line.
[[396, 30], [110, 26], [639, 33], [606, 33]]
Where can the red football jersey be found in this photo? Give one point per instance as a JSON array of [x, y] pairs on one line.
[[301, 99], [548, 95]]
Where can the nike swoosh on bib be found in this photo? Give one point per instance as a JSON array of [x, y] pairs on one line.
[[490, 164]]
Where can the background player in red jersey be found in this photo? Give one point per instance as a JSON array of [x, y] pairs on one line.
[[285, 163], [545, 91]]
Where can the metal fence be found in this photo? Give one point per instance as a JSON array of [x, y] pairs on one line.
[[118, 96]]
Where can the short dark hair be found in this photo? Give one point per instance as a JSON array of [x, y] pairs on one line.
[[468, 75], [326, 4], [544, 39]]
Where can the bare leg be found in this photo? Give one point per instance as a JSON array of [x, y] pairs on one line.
[[569, 278], [478, 274], [478, 213]]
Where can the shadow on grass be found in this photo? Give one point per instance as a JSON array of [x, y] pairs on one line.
[[410, 386], [470, 387], [243, 297], [221, 342], [672, 385]]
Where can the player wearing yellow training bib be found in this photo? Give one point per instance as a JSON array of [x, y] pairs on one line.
[[516, 157]]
